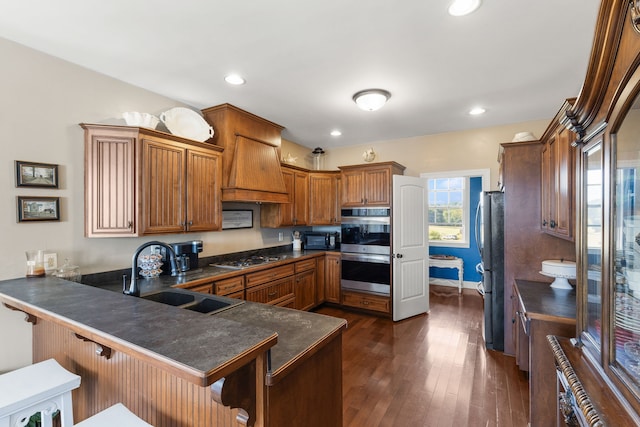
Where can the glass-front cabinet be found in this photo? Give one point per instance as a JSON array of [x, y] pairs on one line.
[[606, 117], [625, 280]]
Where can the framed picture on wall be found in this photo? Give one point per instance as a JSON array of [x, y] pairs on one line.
[[30, 174], [38, 209]]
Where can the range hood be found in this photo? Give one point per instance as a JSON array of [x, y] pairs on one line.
[[251, 158]]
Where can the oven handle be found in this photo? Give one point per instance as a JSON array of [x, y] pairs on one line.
[[363, 220], [380, 259]]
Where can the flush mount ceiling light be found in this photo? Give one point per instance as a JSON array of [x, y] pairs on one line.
[[234, 79], [463, 7], [336, 132], [476, 111], [371, 99]]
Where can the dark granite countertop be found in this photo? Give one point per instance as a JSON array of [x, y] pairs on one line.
[[113, 280], [202, 344], [541, 301]]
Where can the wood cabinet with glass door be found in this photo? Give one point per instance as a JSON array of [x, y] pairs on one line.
[[368, 185], [607, 121]]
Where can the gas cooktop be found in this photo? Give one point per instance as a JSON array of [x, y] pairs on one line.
[[252, 261]]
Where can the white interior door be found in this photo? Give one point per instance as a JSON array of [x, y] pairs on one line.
[[410, 247]]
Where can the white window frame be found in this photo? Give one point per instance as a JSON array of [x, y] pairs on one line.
[[485, 174]]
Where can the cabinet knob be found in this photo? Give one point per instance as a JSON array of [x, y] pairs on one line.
[[544, 222], [553, 224]]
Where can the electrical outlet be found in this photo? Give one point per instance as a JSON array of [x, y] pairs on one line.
[[154, 249], [280, 236]]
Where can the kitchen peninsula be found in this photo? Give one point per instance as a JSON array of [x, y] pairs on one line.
[[176, 367]]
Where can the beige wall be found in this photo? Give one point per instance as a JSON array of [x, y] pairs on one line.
[[474, 149], [44, 99]]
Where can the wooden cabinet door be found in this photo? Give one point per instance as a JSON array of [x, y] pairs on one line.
[[323, 199], [287, 210], [301, 198], [332, 278], [296, 212], [163, 182], [110, 209], [546, 186], [377, 187], [558, 178], [565, 179], [305, 290], [204, 173], [353, 188]]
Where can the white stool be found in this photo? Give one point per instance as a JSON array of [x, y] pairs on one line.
[[45, 387]]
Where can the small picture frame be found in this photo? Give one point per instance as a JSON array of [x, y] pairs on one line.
[[41, 175], [38, 208], [233, 219]]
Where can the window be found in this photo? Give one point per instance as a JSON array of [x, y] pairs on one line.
[[448, 206], [450, 210]]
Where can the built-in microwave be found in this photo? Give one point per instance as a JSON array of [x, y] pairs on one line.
[[321, 240]]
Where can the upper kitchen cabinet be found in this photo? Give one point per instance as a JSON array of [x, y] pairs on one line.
[[324, 198], [368, 185], [251, 159], [140, 182], [296, 210], [558, 177]]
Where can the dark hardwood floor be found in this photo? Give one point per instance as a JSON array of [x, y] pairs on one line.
[[429, 370]]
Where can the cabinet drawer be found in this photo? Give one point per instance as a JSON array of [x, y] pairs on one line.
[[236, 295], [228, 286], [260, 277], [205, 289], [366, 301], [307, 264], [272, 293]]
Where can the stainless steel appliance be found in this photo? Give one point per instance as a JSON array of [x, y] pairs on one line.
[[187, 254], [366, 250], [321, 240], [246, 262], [490, 224]]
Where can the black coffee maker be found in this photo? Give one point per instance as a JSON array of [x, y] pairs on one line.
[[187, 254]]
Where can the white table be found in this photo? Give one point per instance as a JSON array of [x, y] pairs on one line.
[[449, 262]]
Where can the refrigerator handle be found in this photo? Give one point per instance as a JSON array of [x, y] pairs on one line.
[[478, 225]]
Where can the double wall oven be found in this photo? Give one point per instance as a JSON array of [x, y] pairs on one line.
[[366, 250]]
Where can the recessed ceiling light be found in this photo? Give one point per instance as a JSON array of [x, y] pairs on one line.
[[234, 79], [336, 133], [463, 7], [476, 111]]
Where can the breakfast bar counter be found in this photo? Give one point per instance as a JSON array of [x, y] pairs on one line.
[[176, 367]]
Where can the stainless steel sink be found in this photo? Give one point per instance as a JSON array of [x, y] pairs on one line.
[[194, 301]]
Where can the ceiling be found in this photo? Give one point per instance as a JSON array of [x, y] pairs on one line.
[[304, 60]]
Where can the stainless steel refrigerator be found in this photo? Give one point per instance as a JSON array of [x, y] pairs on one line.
[[490, 224]]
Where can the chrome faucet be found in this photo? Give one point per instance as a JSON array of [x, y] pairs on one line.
[[133, 288]]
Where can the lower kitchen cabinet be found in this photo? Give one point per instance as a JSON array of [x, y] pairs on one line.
[[305, 290], [232, 287], [274, 292], [366, 301], [543, 311], [332, 278], [206, 288]]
